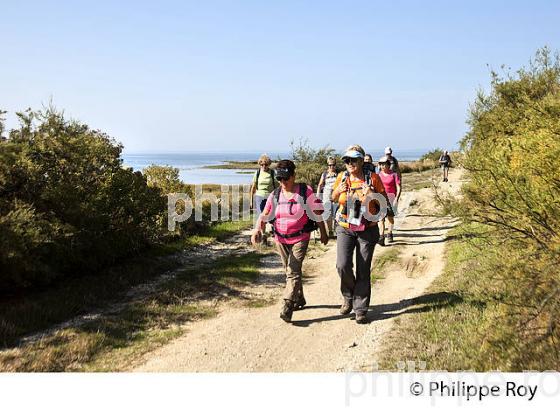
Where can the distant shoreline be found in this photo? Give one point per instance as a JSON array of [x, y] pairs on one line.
[[245, 167], [234, 165]]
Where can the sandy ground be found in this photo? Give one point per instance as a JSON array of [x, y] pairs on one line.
[[242, 339]]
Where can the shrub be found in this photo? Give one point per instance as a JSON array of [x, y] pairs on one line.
[[511, 155], [311, 163], [432, 155], [67, 207]]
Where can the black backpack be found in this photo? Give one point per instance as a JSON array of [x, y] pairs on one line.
[[272, 174], [309, 226]]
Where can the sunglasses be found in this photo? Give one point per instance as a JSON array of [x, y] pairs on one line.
[[282, 178], [332, 165], [350, 160]]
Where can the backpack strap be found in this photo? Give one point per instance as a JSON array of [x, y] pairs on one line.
[[273, 175], [367, 175], [277, 194], [303, 192]]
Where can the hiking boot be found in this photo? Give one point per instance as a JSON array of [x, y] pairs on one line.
[[300, 304], [287, 310], [361, 318], [389, 237], [381, 241], [346, 307]]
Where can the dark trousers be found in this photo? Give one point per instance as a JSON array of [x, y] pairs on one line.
[[356, 288]]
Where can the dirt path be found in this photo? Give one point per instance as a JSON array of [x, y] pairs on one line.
[[319, 339]]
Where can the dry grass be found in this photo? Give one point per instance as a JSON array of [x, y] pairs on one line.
[[115, 341]]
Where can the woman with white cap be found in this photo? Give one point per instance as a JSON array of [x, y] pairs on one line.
[[357, 230], [393, 162], [392, 184]]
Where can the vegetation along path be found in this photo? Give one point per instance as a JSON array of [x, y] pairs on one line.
[[240, 338]]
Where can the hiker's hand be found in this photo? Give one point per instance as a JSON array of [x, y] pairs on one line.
[[366, 189], [324, 237], [256, 237], [342, 188]]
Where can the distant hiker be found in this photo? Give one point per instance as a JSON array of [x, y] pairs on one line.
[[263, 184], [393, 161], [352, 190], [368, 163], [392, 184], [287, 208], [445, 163], [324, 191]]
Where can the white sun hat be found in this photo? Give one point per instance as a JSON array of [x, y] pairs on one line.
[[352, 154]]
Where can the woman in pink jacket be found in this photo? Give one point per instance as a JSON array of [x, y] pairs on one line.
[[392, 184], [292, 209]]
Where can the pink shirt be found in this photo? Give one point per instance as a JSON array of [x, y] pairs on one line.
[[390, 181], [291, 216]]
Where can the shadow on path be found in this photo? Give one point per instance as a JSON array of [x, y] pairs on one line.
[[427, 228], [418, 304]]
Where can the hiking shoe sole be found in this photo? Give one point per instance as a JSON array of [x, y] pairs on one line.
[[361, 319]]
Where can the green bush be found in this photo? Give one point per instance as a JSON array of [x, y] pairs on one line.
[[311, 163], [432, 155], [511, 157], [67, 207]]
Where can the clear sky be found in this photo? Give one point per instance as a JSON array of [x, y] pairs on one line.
[[172, 76]]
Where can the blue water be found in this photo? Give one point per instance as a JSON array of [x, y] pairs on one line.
[[191, 165]]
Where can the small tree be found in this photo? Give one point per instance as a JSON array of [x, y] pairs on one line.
[[310, 163]]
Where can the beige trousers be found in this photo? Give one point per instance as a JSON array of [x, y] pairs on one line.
[[292, 259]]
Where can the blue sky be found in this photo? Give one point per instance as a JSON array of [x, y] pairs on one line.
[[174, 76]]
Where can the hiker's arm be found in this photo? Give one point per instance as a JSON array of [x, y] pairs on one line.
[[339, 188], [321, 183], [256, 236], [252, 193], [323, 231]]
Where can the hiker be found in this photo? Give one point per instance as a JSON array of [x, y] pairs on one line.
[[445, 163], [287, 208], [263, 184], [393, 161], [352, 190], [392, 184], [324, 191], [368, 162]]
